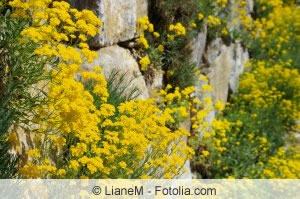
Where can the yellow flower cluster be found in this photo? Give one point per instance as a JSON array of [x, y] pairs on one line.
[[213, 21], [283, 165], [242, 15], [200, 16], [56, 24], [161, 48], [144, 62], [142, 126], [279, 25], [176, 30], [220, 136], [144, 24], [187, 103], [143, 41], [202, 109], [222, 3], [259, 88], [70, 112]]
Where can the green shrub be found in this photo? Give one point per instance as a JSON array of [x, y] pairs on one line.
[[20, 70]]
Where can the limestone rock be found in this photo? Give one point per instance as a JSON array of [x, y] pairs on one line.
[[187, 166], [239, 59], [156, 81], [119, 19], [219, 60], [117, 58], [226, 64], [188, 174], [250, 6], [198, 47]]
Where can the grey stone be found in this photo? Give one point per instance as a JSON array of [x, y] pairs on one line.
[[198, 47], [239, 59], [220, 67], [119, 59], [156, 82], [119, 19]]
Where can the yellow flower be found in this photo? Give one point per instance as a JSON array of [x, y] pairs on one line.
[[205, 153], [213, 21], [200, 16], [194, 25], [156, 34], [61, 172], [144, 62], [161, 48], [83, 45], [178, 29], [123, 165], [34, 153], [143, 41], [222, 3], [219, 105]]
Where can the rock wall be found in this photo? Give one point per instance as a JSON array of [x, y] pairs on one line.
[[119, 18], [223, 63], [119, 59]]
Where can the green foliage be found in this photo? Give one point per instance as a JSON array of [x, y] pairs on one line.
[[8, 161], [120, 89], [176, 60], [20, 70], [180, 72], [166, 12], [262, 113]]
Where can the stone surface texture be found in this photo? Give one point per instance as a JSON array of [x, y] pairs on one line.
[[198, 47], [219, 61], [119, 59], [119, 19]]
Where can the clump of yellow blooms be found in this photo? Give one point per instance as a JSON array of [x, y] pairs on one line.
[[276, 26], [213, 21], [178, 30], [222, 3], [260, 90], [144, 62], [161, 48], [51, 26], [143, 27], [283, 165], [192, 106], [200, 16], [143, 41], [144, 24], [219, 105], [262, 87]]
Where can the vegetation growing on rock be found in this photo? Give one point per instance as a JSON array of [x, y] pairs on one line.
[[82, 125]]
